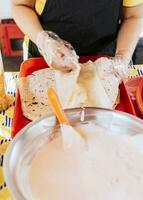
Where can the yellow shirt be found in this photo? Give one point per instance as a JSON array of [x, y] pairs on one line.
[[130, 3], [39, 4]]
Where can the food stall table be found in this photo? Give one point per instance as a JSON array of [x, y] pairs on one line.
[[6, 122]]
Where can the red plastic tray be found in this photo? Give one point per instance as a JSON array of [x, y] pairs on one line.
[[34, 64], [9, 31]]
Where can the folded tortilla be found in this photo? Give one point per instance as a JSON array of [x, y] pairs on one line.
[[86, 86], [89, 78], [65, 85], [108, 79]]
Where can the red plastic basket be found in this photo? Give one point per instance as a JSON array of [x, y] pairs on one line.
[[9, 32], [34, 64]]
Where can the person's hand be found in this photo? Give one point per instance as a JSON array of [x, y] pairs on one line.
[[121, 66], [58, 53], [117, 66]]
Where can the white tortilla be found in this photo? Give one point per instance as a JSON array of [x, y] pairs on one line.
[[97, 97], [33, 93], [109, 81], [66, 84], [80, 88]]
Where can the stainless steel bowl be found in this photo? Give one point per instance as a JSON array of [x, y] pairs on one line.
[[28, 141]]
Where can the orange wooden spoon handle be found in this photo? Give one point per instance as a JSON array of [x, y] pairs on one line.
[[56, 106]]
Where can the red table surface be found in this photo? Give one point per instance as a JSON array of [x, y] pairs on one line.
[[34, 64]]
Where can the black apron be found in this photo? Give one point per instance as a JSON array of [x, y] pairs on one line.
[[91, 26]]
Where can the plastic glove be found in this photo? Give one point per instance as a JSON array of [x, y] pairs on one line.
[[58, 53], [121, 66]]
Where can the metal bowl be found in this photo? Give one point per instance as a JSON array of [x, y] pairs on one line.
[[30, 139]]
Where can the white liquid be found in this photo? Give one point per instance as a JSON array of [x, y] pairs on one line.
[[111, 169]]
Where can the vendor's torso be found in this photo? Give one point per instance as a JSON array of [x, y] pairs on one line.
[[91, 26]]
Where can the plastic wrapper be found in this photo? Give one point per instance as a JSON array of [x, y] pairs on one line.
[[3, 97], [58, 53]]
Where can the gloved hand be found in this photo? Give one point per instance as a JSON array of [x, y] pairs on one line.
[[117, 66], [120, 66], [58, 53]]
